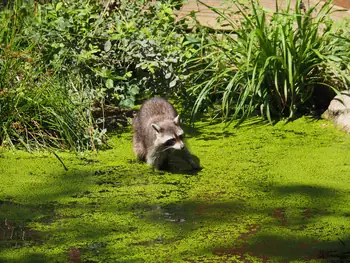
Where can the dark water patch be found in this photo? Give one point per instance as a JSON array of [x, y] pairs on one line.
[[26, 212], [266, 248], [169, 193], [155, 241], [75, 254], [169, 213], [298, 133], [212, 136], [81, 195], [88, 161], [16, 220], [338, 255], [279, 214], [304, 213], [17, 234], [117, 176], [133, 161], [308, 190], [109, 182], [104, 191], [242, 253]]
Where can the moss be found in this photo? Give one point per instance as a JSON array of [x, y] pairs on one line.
[[265, 194]]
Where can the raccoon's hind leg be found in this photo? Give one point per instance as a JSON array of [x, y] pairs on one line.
[[139, 149]]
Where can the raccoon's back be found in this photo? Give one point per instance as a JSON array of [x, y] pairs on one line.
[[156, 108]]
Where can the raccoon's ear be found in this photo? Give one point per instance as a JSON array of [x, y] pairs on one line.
[[156, 127], [177, 120]]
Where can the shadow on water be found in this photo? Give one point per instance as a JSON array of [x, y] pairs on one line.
[[239, 227], [229, 129], [14, 220], [15, 232], [30, 258], [179, 165], [265, 239]]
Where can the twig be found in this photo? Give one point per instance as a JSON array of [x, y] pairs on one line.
[[64, 166]]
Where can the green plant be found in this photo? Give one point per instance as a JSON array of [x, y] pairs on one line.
[[63, 58], [37, 108], [134, 50], [272, 63]]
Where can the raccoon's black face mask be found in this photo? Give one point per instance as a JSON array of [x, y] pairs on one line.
[[169, 134]]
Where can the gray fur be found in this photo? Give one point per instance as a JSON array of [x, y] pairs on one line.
[[156, 123]]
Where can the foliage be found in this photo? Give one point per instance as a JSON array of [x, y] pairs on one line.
[[37, 109], [119, 53], [64, 58], [272, 63]]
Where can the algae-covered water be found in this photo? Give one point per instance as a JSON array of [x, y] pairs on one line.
[[265, 194]]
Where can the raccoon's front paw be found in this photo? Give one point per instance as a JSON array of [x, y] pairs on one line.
[[196, 166]]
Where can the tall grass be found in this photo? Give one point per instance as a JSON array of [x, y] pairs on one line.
[[37, 109], [271, 62]]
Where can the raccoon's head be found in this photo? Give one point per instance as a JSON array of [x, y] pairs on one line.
[[169, 134]]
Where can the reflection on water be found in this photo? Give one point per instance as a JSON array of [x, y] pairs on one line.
[[14, 224], [14, 233]]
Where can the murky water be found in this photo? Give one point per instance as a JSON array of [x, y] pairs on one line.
[[14, 229]]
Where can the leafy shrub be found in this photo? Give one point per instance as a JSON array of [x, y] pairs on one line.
[[37, 109], [119, 53], [63, 58], [272, 63]]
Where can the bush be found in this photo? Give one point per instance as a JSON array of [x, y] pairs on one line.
[[271, 63], [135, 49], [64, 58], [37, 108]]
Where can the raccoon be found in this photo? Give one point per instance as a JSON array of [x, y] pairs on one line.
[[157, 133]]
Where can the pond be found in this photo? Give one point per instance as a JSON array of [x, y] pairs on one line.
[[265, 194]]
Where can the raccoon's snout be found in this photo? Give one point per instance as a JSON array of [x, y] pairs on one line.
[[175, 144], [179, 146]]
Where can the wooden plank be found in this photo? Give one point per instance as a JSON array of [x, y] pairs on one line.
[[342, 3], [208, 18]]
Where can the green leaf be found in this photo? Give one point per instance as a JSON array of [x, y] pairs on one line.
[[58, 6], [108, 45], [134, 90], [172, 83], [127, 103], [109, 83], [168, 75]]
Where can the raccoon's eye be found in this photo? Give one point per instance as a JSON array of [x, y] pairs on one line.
[[182, 136], [170, 142]]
